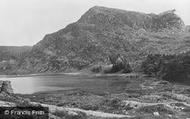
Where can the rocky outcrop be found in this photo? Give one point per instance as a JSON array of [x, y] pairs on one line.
[[5, 86], [110, 17], [167, 20]]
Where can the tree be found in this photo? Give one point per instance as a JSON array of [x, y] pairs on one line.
[[120, 64]]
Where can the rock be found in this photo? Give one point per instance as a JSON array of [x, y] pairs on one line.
[[72, 113], [5, 86], [7, 104], [156, 114]]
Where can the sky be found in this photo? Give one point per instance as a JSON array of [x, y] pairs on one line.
[[25, 22]]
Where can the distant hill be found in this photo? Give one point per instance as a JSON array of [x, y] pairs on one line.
[[187, 28], [11, 57], [14, 52], [102, 32]]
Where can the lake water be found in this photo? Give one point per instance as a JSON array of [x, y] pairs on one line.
[[33, 84]]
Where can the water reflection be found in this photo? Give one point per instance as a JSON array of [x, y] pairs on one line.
[[28, 85]]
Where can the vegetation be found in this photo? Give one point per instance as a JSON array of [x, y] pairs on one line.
[[117, 63], [168, 67], [120, 64]]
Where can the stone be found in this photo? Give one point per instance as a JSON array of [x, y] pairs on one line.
[[156, 114], [5, 86]]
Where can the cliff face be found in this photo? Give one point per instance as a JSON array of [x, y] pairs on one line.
[[101, 32]]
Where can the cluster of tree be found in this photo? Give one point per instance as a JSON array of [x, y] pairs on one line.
[[119, 63], [168, 67]]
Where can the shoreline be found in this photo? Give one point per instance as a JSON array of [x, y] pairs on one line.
[[72, 74], [35, 74]]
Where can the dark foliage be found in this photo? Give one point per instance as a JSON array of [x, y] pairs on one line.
[[120, 64], [168, 67], [152, 65]]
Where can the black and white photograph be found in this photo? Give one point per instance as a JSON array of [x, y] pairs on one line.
[[94, 59]]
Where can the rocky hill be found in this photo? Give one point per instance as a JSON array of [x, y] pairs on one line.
[[102, 16], [102, 32]]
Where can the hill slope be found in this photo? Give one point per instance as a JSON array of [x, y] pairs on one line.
[[102, 32]]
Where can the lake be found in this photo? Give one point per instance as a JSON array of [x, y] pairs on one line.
[[97, 83]]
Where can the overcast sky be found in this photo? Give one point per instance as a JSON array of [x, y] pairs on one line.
[[25, 22]]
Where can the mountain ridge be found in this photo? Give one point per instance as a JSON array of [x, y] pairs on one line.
[[131, 18]]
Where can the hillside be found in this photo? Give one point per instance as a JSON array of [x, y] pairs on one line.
[[102, 32]]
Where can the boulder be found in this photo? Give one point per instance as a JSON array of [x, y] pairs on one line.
[[5, 86]]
